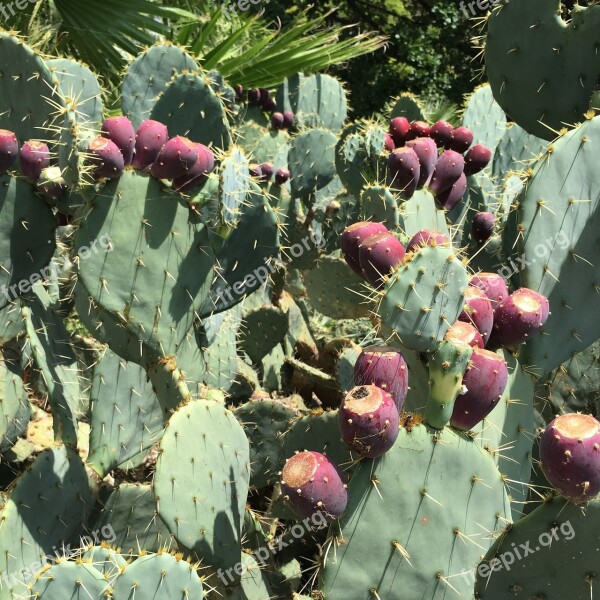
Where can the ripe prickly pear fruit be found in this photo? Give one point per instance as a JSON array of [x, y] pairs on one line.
[[254, 97], [478, 311], [399, 127], [312, 484], [386, 368], [150, 137], [369, 421], [461, 139], [448, 170], [197, 175], [441, 133], [418, 129], [9, 150], [282, 176], [51, 184], [465, 333], [570, 456], [351, 239], [289, 118], [476, 159], [404, 171], [106, 159], [277, 120], [34, 157], [518, 318], [492, 285], [389, 142], [427, 237], [267, 169], [485, 380], [427, 152], [239, 92], [482, 227], [120, 130], [175, 159], [378, 256], [255, 171], [452, 196]]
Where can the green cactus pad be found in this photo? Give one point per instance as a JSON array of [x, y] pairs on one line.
[[44, 511], [27, 240], [70, 581], [189, 107], [106, 560], [320, 102], [336, 291], [424, 297], [30, 99], [159, 577], [545, 555], [80, 89], [415, 519], [484, 118], [253, 584], [311, 161], [153, 279], [126, 518], [543, 70], [15, 409], [273, 147], [147, 77], [516, 152], [379, 204], [409, 106], [201, 481], [558, 220], [420, 212], [11, 323], [235, 183], [262, 329], [126, 418], [265, 423]]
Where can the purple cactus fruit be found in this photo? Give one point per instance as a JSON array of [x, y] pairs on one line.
[[264, 95], [518, 318], [267, 102], [267, 170], [418, 129], [255, 171], [384, 367], [9, 150], [427, 237], [34, 157], [476, 159], [51, 184], [151, 136], [289, 118], [254, 97], [448, 170], [312, 484], [441, 133], [175, 159], [378, 256], [466, 334], [369, 421], [239, 92], [120, 130], [282, 176], [462, 138], [485, 379], [404, 171], [198, 174], [389, 142], [478, 311], [482, 227], [351, 239], [399, 127], [277, 120], [492, 285], [427, 152], [570, 456], [452, 196], [106, 159]]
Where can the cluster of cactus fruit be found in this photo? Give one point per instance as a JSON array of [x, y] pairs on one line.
[[167, 375]]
